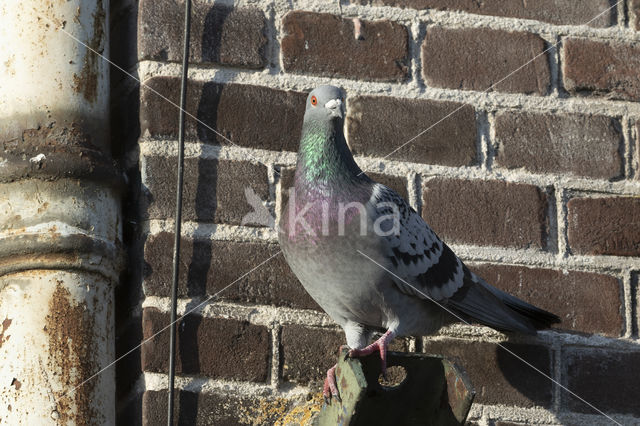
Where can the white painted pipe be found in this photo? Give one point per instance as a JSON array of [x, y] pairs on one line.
[[60, 227]]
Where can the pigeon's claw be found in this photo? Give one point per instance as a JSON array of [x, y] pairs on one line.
[[380, 346], [330, 388]]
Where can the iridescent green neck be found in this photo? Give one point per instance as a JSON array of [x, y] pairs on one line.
[[324, 158]]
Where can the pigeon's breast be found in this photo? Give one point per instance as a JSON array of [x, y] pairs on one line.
[[326, 244]]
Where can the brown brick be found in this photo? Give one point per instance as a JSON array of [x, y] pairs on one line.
[[212, 408], [562, 12], [214, 191], [306, 353], [251, 116], [499, 377], [219, 34], [458, 59], [213, 347], [377, 125], [582, 145], [486, 212], [210, 266], [585, 302], [397, 183], [325, 44], [607, 379], [602, 68], [636, 158], [605, 225]]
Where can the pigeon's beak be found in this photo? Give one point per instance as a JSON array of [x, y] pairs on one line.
[[335, 108]]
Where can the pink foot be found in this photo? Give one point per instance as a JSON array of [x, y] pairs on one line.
[[330, 388], [379, 345]]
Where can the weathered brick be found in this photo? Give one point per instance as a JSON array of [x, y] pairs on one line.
[[499, 377], [486, 212], [325, 44], [214, 191], [578, 144], [397, 183], [214, 347], [219, 34], [607, 379], [584, 301], [250, 116], [458, 59], [604, 225], [306, 353], [636, 158], [212, 408], [208, 266], [562, 12], [377, 125], [602, 68]]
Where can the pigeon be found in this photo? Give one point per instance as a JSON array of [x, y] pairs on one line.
[[369, 259]]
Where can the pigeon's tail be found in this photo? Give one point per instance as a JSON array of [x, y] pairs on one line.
[[479, 302]]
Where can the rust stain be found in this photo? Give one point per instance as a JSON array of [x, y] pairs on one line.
[[16, 383], [72, 352], [43, 207], [87, 82], [5, 325]]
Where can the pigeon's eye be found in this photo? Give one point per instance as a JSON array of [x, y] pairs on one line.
[[314, 101]]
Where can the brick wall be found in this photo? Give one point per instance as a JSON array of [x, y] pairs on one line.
[[529, 169]]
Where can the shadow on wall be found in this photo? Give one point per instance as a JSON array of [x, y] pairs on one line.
[[212, 36]]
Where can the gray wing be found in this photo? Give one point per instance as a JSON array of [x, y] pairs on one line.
[[425, 267], [416, 255]]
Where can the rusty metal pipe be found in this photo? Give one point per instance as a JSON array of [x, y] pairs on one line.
[[60, 214]]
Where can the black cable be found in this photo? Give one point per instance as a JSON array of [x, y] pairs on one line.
[[178, 224]]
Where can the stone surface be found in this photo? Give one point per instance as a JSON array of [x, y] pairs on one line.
[[208, 266], [208, 408], [486, 212], [377, 125], [607, 379], [214, 191], [219, 34], [585, 302], [601, 68], [635, 14], [497, 376], [214, 347], [250, 116], [604, 225], [325, 44], [562, 12], [457, 59], [577, 144], [306, 353]]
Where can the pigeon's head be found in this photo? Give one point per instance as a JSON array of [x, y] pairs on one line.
[[325, 102]]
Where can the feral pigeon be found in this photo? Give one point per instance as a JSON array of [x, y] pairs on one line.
[[368, 259]]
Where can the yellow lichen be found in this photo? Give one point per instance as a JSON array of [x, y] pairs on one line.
[[301, 415]]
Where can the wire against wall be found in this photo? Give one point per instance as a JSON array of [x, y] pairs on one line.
[[178, 224]]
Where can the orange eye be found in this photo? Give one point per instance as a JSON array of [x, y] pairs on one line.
[[314, 101]]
